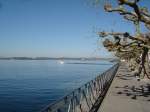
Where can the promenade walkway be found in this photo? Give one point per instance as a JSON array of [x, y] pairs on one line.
[[126, 94]]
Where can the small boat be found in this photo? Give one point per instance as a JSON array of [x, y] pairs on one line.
[[61, 62]]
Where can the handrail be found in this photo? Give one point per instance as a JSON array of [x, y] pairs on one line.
[[83, 99]]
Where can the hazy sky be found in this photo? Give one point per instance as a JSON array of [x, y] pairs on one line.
[[55, 28]]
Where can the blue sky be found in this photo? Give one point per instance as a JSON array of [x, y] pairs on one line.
[[55, 28]]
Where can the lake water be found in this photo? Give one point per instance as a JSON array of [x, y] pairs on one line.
[[30, 85]]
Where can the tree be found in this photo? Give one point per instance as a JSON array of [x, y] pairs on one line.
[[132, 48]]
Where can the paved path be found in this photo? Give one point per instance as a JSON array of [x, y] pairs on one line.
[[126, 94]]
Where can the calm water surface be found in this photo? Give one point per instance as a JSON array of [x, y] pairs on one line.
[[28, 86]]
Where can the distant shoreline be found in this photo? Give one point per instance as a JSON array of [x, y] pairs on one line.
[[49, 58]]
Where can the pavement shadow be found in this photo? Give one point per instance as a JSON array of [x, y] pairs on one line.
[[135, 92], [125, 76]]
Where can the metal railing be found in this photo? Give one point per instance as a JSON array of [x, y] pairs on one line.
[[86, 98]]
